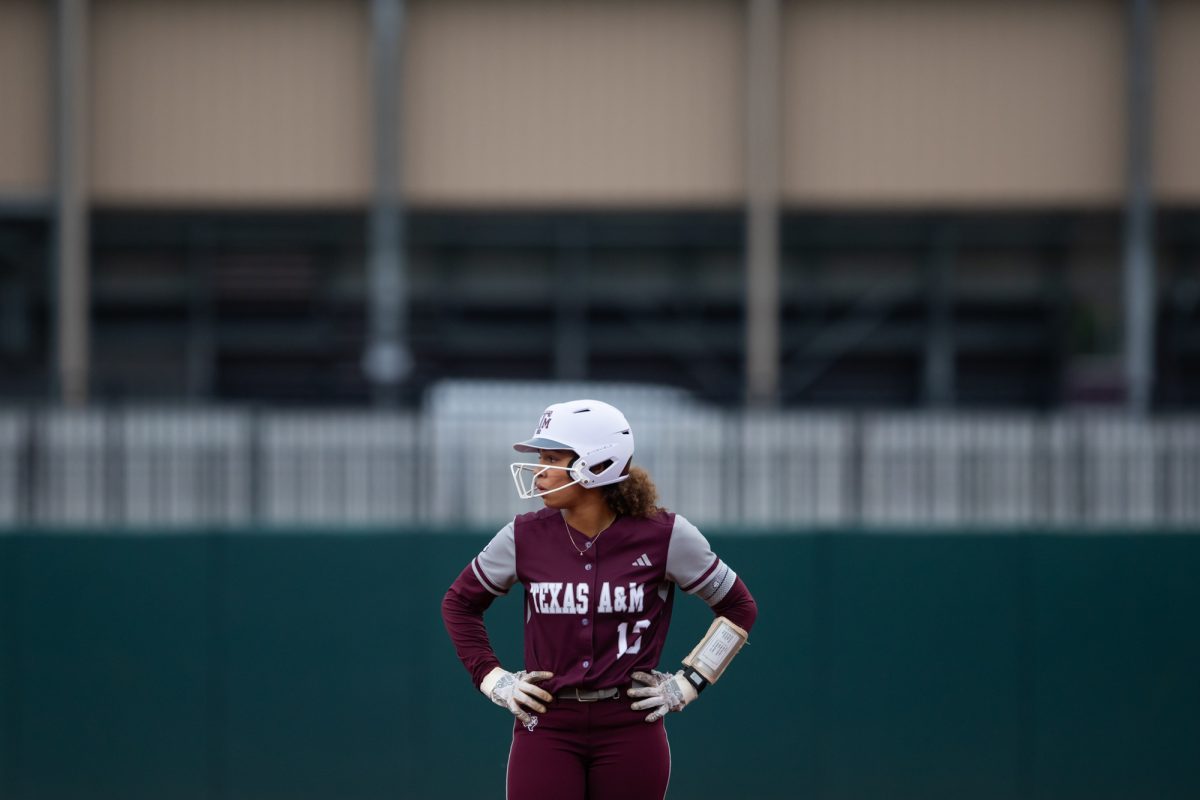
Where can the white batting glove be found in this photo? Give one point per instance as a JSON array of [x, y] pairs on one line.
[[512, 690], [663, 691]]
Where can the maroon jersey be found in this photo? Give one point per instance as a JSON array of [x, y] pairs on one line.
[[594, 618]]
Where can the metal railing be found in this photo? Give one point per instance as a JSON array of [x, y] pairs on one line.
[[447, 464]]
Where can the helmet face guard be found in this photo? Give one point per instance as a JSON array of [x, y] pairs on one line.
[[597, 432], [525, 476]]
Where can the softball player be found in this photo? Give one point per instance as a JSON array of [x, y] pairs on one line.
[[599, 564]]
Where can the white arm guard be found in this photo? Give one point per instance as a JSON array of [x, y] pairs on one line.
[[712, 655]]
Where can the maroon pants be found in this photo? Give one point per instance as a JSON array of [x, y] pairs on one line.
[[590, 751]]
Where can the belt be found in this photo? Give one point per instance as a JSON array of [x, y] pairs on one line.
[[587, 695]]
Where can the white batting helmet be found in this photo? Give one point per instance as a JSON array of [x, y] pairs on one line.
[[599, 435]]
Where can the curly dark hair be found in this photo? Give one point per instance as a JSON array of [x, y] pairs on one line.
[[635, 496]]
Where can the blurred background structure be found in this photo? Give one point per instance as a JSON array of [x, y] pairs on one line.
[[902, 298], [850, 204], [810, 212]]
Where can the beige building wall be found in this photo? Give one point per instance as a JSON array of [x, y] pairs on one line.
[[945, 102], [530, 102], [631, 103], [533, 102], [230, 102], [1177, 102], [26, 97]]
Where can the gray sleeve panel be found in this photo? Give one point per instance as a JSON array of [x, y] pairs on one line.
[[692, 564], [688, 556], [496, 564]]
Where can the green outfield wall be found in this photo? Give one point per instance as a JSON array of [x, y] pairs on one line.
[[257, 665]]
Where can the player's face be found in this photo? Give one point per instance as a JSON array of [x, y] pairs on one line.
[[554, 478]]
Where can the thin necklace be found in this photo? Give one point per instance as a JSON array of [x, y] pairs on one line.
[[591, 541]]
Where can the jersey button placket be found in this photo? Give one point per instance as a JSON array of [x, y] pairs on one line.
[[587, 632]]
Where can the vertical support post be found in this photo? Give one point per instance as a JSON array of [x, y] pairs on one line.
[[387, 360], [571, 304], [762, 203], [200, 336], [1140, 291], [71, 235], [939, 335]]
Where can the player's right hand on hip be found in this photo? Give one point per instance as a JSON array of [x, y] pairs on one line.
[[517, 691]]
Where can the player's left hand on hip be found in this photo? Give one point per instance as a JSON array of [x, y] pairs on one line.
[[663, 692]]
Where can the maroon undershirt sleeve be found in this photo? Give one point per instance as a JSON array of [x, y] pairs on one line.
[[462, 614], [738, 606]]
